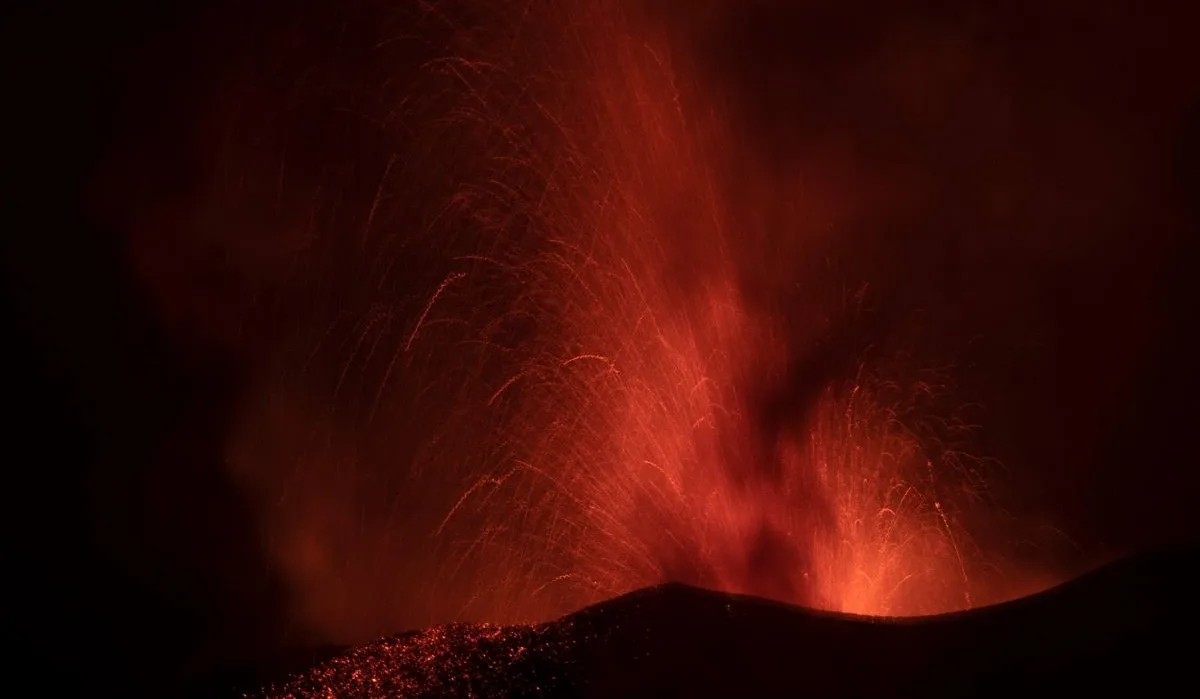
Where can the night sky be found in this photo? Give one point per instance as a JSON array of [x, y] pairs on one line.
[[1044, 158]]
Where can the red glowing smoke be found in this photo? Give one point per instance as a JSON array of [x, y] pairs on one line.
[[558, 335]]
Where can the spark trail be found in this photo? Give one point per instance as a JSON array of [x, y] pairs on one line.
[[632, 428], [589, 365]]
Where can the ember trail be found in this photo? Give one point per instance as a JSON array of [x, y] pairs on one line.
[[618, 381]]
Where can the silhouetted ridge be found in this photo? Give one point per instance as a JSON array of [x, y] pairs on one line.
[[1120, 623]]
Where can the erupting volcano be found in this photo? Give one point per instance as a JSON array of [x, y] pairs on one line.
[[588, 348], [627, 351]]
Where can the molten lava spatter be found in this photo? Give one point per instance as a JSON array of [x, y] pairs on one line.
[[605, 390]]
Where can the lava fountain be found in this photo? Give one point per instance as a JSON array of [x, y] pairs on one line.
[[602, 403]]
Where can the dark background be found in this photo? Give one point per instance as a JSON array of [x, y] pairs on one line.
[[105, 597], [129, 577]]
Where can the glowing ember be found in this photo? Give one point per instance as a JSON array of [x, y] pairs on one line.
[[459, 660]]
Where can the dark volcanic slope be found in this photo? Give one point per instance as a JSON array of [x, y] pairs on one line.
[[1128, 625]]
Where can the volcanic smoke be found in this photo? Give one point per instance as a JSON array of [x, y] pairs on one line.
[[573, 341]]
